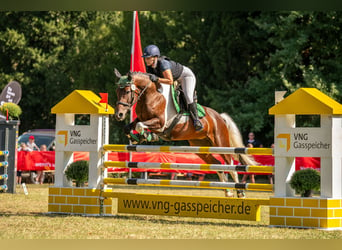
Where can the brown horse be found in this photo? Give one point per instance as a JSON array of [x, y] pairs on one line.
[[155, 111]]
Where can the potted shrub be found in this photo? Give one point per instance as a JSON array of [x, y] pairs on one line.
[[305, 181], [14, 111], [78, 172]]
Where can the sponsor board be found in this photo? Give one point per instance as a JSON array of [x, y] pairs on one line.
[[191, 206], [303, 142], [80, 139]]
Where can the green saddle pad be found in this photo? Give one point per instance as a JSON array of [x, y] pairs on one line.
[[200, 109]]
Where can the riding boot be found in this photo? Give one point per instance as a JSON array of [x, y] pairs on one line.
[[194, 115]]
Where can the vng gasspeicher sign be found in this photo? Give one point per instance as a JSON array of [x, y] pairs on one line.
[[303, 142], [76, 139]]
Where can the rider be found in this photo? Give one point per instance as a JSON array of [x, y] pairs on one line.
[[164, 70]]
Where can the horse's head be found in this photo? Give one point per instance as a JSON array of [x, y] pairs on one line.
[[129, 90], [125, 97]]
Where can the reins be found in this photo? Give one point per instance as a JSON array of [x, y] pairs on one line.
[[132, 96]]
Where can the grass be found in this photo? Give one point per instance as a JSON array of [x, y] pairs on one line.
[[25, 217]]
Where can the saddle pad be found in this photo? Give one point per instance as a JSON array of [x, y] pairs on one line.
[[200, 109]]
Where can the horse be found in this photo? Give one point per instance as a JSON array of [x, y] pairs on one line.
[[155, 111]]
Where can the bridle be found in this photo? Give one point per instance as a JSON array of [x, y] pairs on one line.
[[135, 92]]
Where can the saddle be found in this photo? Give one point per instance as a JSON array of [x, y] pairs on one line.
[[180, 103]]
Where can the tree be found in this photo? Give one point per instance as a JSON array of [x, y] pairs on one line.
[[239, 58]]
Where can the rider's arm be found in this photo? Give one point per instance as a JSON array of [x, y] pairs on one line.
[[167, 77]]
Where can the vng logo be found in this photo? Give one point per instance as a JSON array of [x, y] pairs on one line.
[[62, 137], [287, 139]]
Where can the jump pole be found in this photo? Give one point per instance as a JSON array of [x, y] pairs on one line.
[[189, 166], [185, 183], [187, 149]]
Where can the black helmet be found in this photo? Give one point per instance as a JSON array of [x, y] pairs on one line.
[[151, 50]]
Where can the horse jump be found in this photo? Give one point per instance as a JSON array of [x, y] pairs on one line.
[[286, 209], [184, 166]]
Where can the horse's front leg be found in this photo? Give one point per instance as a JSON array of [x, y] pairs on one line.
[[129, 127], [152, 124]]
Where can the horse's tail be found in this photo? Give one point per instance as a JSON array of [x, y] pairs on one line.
[[235, 140]]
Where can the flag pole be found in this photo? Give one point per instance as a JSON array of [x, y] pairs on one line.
[[137, 62], [132, 69]]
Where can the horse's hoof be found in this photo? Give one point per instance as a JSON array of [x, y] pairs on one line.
[[240, 194], [228, 193]]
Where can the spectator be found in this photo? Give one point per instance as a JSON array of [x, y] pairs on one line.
[[31, 144], [43, 147], [251, 176], [23, 147], [251, 139], [40, 173]]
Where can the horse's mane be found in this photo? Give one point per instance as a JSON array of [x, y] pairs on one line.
[[140, 75]]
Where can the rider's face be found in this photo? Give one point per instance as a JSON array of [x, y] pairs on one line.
[[149, 61]]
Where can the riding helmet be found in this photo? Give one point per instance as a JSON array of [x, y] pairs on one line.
[[151, 50]]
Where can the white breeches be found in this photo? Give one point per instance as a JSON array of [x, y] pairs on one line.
[[188, 83]]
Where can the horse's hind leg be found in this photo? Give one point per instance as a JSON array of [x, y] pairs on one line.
[[228, 160], [210, 159]]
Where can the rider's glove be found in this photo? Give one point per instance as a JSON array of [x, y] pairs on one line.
[[154, 78]]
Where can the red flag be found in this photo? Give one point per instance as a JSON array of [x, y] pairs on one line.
[[104, 99], [137, 62]]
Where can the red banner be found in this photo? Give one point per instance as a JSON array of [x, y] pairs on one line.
[[35, 161]]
